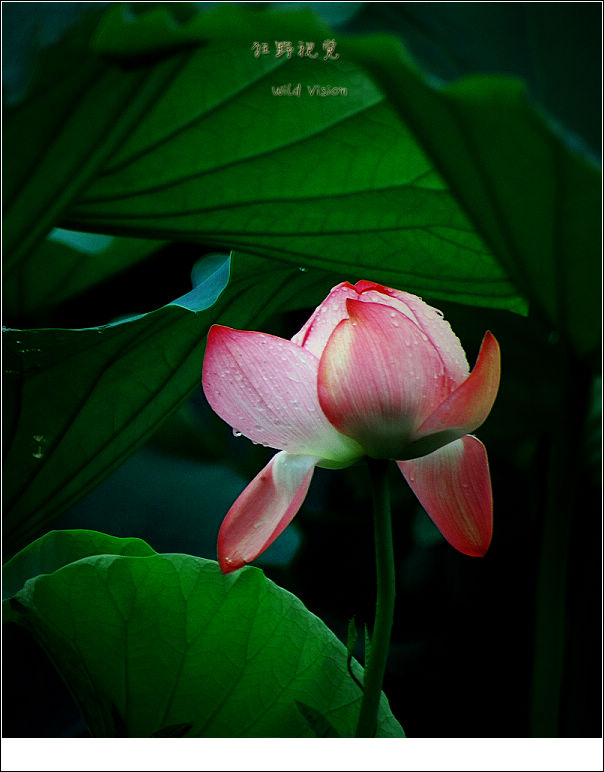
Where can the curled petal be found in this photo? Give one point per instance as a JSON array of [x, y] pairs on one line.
[[266, 388], [466, 408], [453, 485], [264, 509], [317, 330], [323, 321], [379, 377], [325, 318]]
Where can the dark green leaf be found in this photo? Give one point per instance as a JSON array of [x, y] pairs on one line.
[[366, 208], [67, 263], [135, 31], [351, 640], [79, 110], [317, 721], [555, 48], [28, 30], [78, 402], [532, 192], [174, 730], [165, 641], [197, 147], [352, 637]]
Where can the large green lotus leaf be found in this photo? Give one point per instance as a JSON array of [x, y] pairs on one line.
[[334, 182], [167, 645], [533, 193], [78, 402], [67, 263], [195, 146]]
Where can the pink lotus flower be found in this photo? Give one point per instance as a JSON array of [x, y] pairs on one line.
[[374, 371]]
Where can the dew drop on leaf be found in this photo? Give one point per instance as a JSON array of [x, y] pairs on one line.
[[39, 441]]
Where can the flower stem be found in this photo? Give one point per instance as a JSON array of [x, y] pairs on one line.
[[384, 609]]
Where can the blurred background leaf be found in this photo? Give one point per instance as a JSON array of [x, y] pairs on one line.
[[78, 402], [65, 433], [77, 111], [79, 261], [553, 47], [533, 194], [151, 642]]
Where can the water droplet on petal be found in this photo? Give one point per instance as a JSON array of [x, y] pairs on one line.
[[237, 433]]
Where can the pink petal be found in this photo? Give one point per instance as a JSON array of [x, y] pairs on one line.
[[324, 319], [439, 332], [367, 286], [315, 333], [469, 405], [264, 509], [379, 377], [266, 388], [453, 485]]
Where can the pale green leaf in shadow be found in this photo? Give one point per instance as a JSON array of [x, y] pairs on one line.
[[57, 549]]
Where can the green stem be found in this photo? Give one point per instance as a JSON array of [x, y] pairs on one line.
[[384, 609]]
